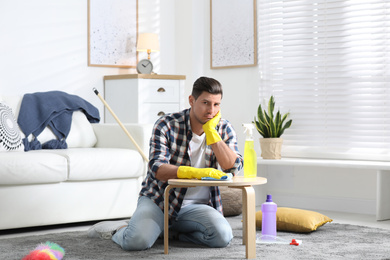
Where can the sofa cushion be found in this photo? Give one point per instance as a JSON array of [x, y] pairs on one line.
[[32, 167], [10, 135], [81, 133], [13, 102], [102, 163], [296, 220]]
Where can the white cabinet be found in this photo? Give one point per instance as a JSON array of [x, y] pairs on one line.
[[141, 98]]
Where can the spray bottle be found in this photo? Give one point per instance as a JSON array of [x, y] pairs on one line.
[[250, 158]]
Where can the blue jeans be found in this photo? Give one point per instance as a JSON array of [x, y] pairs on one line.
[[198, 223]]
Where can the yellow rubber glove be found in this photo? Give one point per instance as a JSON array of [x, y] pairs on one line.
[[212, 135], [188, 172]]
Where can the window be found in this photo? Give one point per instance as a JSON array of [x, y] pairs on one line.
[[328, 64]]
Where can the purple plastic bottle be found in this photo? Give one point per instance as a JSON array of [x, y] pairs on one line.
[[268, 222]]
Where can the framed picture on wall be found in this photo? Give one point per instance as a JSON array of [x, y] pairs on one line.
[[112, 33], [233, 33]]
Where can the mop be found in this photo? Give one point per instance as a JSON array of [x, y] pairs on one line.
[[121, 125]]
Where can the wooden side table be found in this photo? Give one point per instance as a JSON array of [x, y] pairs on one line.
[[248, 206]]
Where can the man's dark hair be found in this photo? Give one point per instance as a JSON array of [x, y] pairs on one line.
[[209, 85]]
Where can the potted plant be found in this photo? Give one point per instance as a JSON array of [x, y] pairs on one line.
[[271, 127]]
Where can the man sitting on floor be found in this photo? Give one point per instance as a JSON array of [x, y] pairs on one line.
[[188, 144]]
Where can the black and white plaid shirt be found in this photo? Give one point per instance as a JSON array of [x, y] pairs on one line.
[[169, 144]]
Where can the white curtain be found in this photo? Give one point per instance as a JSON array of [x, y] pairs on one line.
[[328, 64]]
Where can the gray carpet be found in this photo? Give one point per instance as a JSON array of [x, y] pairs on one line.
[[332, 241]]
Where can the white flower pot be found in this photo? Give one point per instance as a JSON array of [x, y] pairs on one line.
[[271, 148]]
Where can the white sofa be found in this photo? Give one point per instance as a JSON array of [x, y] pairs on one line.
[[98, 177]]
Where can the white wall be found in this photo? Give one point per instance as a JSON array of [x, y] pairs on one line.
[[43, 46]]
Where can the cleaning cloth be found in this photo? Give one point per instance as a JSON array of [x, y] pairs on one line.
[[227, 177]]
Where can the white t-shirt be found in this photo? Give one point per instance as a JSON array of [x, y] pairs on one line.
[[201, 194]]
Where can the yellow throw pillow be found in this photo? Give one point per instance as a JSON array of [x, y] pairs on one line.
[[296, 220]]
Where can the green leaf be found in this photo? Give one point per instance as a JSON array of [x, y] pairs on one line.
[[263, 120], [259, 128], [266, 129], [285, 117], [287, 125], [278, 123], [260, 114], [271, 124], [271, 106]]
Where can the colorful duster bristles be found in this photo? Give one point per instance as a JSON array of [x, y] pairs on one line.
[[47, 251]]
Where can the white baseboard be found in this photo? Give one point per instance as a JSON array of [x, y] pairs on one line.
[[358, 206]]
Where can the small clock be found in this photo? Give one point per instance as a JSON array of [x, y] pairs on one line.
[[144, 66]]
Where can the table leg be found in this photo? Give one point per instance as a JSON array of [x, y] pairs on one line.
[[249, 221], [244, 215], [166, 218]]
